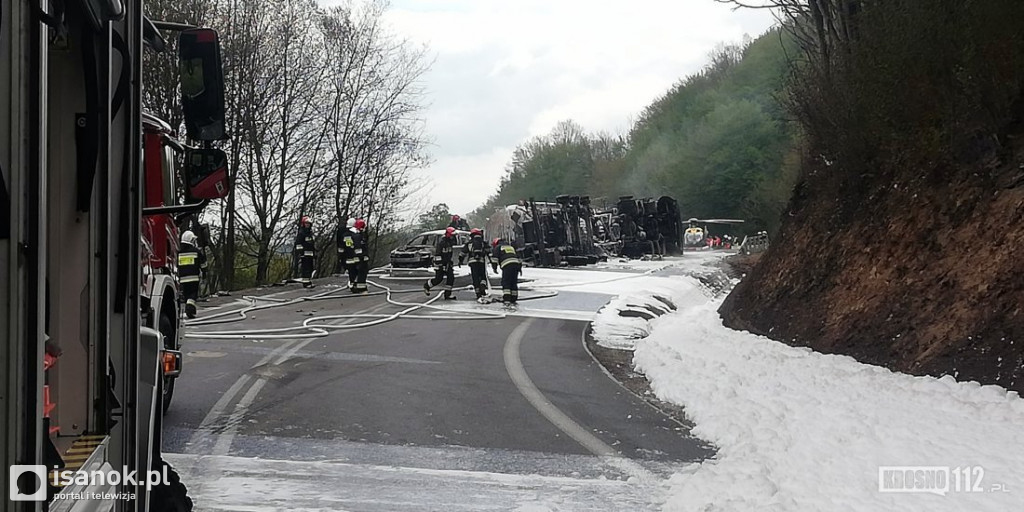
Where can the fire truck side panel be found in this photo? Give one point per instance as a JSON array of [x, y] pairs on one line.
[[21, 298], [69, 251]]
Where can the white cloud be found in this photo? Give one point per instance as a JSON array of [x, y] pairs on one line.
[[508, 70]]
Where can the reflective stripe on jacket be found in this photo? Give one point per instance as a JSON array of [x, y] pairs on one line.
[[191, 261], [443, 251], [506, 255], [475, 251]]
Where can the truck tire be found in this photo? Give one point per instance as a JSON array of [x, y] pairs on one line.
[[167, 329], [172, 497]]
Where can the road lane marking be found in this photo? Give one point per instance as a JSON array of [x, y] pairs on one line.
[[222, 445], [526, 387], [295, 349], [226, 437], [196, 444], [221, 441], [199, 443], [316, 354]]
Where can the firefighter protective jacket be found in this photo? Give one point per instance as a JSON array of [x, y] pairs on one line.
[[443, 251], [304, 243], [356, 248], [191, 262], [475, 251], [504, 255]]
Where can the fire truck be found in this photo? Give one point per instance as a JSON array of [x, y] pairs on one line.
[[90, 190], [160, 239]]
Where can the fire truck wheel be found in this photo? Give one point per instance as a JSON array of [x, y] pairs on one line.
[[172, 497], [167, 329]]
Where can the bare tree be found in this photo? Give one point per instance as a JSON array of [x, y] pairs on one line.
[[281, 133], [322, 117], [374, 97]]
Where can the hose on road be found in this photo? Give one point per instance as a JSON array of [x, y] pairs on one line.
[[316, 326]]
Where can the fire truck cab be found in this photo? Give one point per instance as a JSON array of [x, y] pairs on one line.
[[161, 292]]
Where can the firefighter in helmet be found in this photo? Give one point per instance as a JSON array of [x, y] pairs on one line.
[[339, 239], [505, 257], [191, 265], [443, 268], [356, 254], [479, 255], [305, 250], [459, 223]]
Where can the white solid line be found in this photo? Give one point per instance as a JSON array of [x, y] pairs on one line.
[[514, 366], [522, 381]]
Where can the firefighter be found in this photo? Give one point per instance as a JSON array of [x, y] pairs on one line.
[[191, 265], [339, 239], [459, 223], [305, 249], [355, 255], [504, 256], [476, 251], [361, 252], [443, 268]]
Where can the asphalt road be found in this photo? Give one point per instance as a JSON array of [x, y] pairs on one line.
[[414, 414]]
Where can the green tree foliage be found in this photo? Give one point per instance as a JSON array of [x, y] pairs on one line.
[[436, 218], [718, 142], [563, 161]]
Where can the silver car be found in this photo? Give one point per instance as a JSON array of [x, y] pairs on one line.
[[419, 251]]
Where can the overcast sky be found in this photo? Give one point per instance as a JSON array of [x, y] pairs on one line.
[[507, 70]]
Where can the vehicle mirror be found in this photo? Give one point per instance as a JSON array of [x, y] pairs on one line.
[[206, 173], [202, 83]]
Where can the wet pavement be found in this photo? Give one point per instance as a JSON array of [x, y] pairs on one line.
[[515, 399]]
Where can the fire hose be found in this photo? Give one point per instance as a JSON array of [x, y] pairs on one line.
[[315, 327]]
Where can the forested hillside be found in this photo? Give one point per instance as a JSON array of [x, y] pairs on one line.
[[719, 141], [901, 244]]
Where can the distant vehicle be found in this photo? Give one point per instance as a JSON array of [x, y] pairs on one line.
[[419, 251], [696, 235]]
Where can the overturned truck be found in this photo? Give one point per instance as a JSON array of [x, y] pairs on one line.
[[570, 231], [646, 227], [549, 234]]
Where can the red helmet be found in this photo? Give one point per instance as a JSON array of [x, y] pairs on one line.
[[305, 221], [475, 231], [495, 242], [449, 232], [360, 224], [456, 218]]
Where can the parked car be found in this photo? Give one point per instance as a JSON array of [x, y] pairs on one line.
[[419, 251]]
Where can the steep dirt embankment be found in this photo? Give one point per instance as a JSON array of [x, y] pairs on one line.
[[921, 271]]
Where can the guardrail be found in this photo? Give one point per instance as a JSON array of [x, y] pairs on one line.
[[755, 244]]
